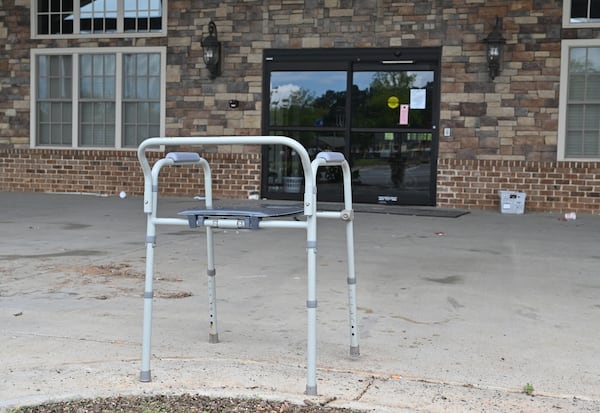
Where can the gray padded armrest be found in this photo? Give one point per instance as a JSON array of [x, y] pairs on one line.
[[183, 157], [331, 156]]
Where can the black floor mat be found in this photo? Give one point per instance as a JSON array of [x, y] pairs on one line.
[[422, 211]]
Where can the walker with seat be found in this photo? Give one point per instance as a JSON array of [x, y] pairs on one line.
[[254, 218]]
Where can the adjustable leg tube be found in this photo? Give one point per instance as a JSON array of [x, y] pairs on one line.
[[311, 306], [145, 375], [213, 335], [354, 347]]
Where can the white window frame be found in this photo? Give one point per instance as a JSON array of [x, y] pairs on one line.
[[78, 35], [75, 53], [567, 18], [566, 45]]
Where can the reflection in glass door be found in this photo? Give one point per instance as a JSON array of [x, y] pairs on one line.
[[381, 113], [308, 106], [388, 167], [392, 135]]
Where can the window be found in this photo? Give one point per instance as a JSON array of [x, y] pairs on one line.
[[88, 98], [581, 13], [579, 107], [105, 18]]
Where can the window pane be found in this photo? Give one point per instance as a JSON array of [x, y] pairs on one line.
[[154, 88], [154, 111], [54, 128], [373, 91], [43, 113], [53, 100], [143, 15], [154, 64], [43, 6], [579, 9], [153, 131], [142, 65], [98, 65], [99, 113], [97, 76], [593, 59], [55, 134], [129, 65], [109, 87], [129, 135], [67, 115], [98, 127], [97, 87], [55, 5], [590, 143], [593, 87], [308, 98], [141, 121], [110, 62], [129, 90], [129, 113], [98, 16], [576, 87], [85, 88], [85, 65], [56, 113], [142, 131], [574, 143], [592, 117], [67, 131], [575, 117], [43, 24], [43, 134], [577, 59], [56, 17], [141, 89], [139, 84], [85, 25], [594, 9], [143, 113]]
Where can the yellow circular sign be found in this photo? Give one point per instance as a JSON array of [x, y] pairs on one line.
[[393, 102]]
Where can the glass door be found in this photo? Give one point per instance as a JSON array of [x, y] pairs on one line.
[[381, 112], [392, 136], [310, 107]]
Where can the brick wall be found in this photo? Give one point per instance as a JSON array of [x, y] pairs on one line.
[[550, 186], [109, 172]]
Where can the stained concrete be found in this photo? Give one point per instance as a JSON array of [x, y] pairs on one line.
[[455, 314]]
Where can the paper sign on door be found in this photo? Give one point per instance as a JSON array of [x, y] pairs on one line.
[[404, 114]]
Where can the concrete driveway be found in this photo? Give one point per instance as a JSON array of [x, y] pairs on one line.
[[455, 314]]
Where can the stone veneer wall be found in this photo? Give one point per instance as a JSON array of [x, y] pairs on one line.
[[504, 132]]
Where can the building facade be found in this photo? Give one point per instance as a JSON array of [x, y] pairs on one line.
[[403, 88]]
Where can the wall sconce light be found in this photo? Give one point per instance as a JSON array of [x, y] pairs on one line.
[[212, 50], [495, 43]]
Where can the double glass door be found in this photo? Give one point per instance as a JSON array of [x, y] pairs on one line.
[[382, 114]]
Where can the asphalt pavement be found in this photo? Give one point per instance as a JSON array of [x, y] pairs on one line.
[[455, 314]]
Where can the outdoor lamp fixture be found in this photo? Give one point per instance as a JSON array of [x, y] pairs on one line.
[[495, 43], [212, 50]]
